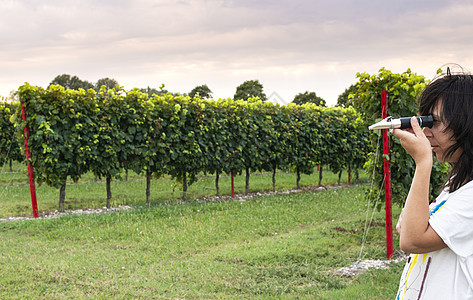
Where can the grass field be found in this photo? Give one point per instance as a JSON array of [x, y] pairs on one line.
[[281, 246], [15, 199]]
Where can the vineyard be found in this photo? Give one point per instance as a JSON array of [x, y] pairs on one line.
[[281, 244], [73, 132]]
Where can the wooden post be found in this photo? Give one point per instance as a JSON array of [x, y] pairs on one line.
[[387, 180], [30, 167]]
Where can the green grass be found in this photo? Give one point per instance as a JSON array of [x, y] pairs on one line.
[[268, 247], [281, 246], [15, 198]]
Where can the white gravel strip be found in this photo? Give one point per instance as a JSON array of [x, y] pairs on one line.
[[57, 214]]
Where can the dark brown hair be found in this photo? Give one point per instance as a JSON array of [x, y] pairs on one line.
[[456, 94]]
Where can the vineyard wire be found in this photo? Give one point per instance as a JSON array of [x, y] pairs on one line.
[[368, 224]]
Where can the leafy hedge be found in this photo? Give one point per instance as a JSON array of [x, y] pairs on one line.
[[9, 147], [403, 91], [74, 132]]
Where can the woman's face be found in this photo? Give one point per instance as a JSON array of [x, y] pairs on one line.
[[441, 138]]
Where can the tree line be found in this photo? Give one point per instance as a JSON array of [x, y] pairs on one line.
[[247, 90]]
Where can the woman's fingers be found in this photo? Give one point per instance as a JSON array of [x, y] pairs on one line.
[[416, 127], [414, 141], [403, 133]]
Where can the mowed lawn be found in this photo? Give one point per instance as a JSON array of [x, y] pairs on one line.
[[282, 246]]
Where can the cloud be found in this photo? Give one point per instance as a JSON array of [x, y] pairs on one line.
[[289, 45]]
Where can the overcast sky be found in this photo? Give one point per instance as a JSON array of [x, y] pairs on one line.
[[290, 46]]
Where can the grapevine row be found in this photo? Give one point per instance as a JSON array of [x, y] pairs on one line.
[[78, 131]]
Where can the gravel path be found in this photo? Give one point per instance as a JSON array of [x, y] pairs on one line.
[[57, 214], [360, 267]]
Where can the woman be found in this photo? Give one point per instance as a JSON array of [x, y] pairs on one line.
[[439, 236]]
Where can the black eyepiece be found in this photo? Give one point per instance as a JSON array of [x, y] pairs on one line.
[[424, 121]]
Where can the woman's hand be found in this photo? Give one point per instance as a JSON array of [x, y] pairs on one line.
[[415, 142]]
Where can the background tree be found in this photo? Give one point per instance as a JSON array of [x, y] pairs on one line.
[[250, 89], [13, 96], [308, 97], [109, 84], [71, 82], [202, 90], [153, 91], [344, 100]]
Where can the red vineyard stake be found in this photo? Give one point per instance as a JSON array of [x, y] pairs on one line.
[[30, 167], [233, 186], [387, 180]]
